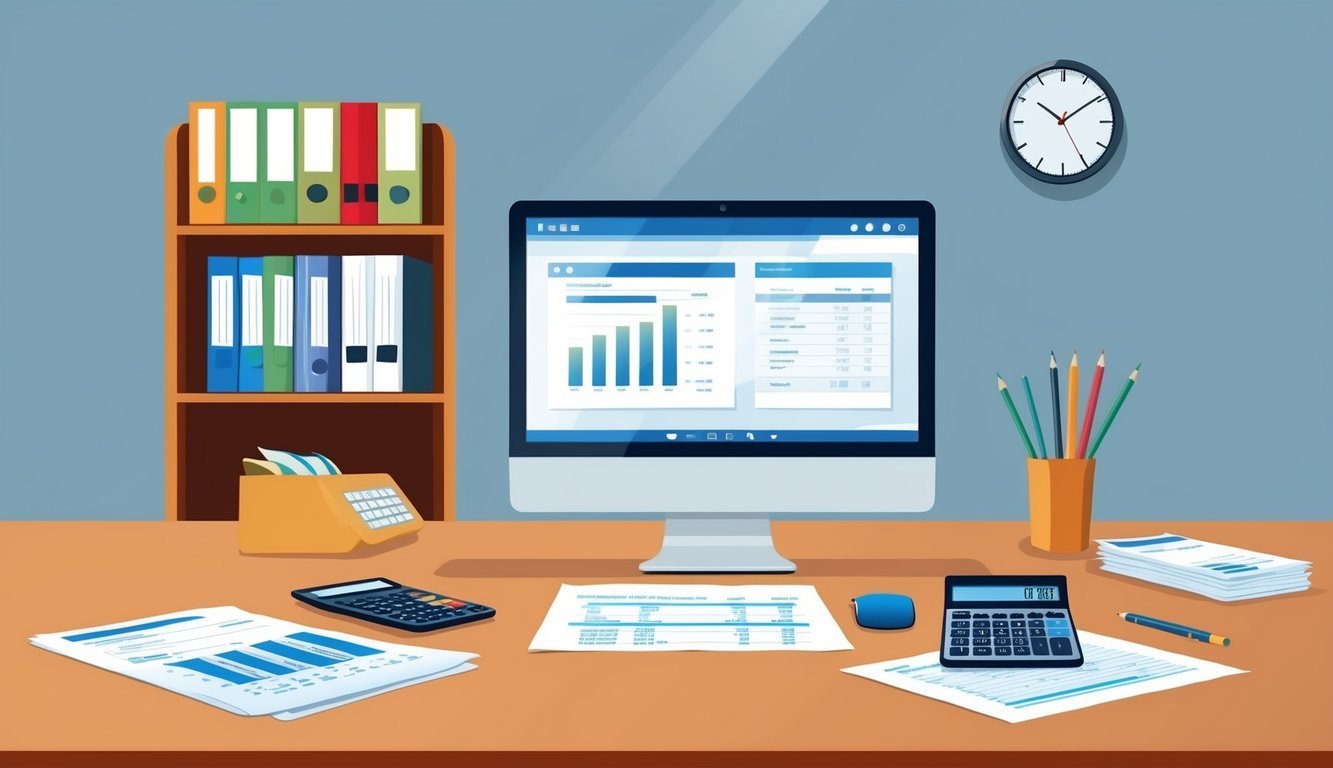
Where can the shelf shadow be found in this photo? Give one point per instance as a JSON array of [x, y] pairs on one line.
[[525, 568]]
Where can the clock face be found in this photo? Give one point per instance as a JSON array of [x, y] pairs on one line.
[[1063, 122]]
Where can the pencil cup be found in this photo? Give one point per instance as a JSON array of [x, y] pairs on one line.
[[1060, 503]]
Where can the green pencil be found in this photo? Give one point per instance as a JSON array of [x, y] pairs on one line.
[[1018, 423], [1119, 401], [1036, 422]]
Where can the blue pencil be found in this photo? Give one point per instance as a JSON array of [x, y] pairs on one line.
[[1176, 629], [1036, 422]]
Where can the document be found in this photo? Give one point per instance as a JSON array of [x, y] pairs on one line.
[[1213, 570], [250, 664], [1112, 669], [688, 617]]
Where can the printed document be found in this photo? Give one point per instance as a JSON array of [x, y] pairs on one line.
[[688, 617], [1213, 570], [251, 664], [1112, 669]]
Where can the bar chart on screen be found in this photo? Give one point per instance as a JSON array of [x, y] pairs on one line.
[[642, 335]]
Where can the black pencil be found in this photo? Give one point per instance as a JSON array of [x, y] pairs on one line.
[[1055, 407]]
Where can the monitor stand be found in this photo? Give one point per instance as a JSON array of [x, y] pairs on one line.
[[721, 544]]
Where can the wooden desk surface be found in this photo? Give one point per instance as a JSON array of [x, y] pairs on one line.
[[67, 575]]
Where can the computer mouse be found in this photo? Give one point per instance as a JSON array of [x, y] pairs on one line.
[[881, 610]]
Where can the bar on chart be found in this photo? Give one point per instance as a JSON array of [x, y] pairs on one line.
[[599, 360], [645, 354], [669, 345], [622, 355], [576, 366]]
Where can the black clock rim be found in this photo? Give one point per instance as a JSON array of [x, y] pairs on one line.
[[1118, 129]]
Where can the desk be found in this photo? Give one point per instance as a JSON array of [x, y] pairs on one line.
[[639, 709]]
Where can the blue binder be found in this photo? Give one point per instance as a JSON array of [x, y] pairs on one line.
[[251, 303], [224, 323], [319, 290]]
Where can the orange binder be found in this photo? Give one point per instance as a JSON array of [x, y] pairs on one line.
[[208, 162]]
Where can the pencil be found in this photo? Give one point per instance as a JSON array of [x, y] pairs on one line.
[[1091, 411], [1018, 422], [1055, 408], [1071, 443], [1110, 417], [1036, 422]]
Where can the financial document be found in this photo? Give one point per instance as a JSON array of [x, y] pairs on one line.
[[251, 664], [688, 617], [1112, 669]]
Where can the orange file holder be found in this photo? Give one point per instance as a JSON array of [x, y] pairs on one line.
[[1060, 503], [322, 514]]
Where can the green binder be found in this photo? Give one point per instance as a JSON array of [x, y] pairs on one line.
[[317, 167], [245, 159], [399, 163], [279, 328], [277, 169]]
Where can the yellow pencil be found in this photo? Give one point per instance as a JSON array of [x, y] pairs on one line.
[[1073, 406]]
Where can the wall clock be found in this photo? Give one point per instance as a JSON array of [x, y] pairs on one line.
[[1062, 122]]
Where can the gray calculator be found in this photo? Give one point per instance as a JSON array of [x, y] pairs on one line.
[[1008, 621]]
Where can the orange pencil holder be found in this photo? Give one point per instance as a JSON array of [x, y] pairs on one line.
[[1060, 503]]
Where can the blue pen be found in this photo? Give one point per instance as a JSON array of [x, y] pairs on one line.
[[1176, 629]]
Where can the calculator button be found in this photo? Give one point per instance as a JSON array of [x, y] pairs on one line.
[[1039, 647], [958, 651], [962, 614], [1022, 650], [1060, 646], [1000, 632], [981, 615], [981, 633], [455, 604], [1015, 615], [981, 641], [1036, 632], [1001, 641], [1036, 623], [983, 624], [958, 633], [981, 651], [1019, 623], [1034, 615], [1002, 651], [1058, 633], [958, 624], [1019, 641], [1055, 614], [477, 609]]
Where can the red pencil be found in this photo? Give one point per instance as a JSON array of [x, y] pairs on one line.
[[1092, 406]]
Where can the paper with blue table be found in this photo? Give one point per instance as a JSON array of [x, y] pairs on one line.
[[1112, 669], [1213, 570], [252, 665]]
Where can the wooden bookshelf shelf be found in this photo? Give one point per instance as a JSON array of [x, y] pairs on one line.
[[410, 435]]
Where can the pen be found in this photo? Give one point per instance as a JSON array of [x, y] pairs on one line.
[[1018, 422], [1055, 408], [1176, 629], [1092, 406], [1119, 401], [1036, 422]]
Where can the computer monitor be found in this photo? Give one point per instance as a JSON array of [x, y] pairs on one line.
[[715, 362]]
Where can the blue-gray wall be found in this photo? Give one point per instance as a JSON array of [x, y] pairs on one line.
[[1205, 256]]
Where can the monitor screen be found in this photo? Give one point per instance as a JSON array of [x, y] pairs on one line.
[[756, 330]]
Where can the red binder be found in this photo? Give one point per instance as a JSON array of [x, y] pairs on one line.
[[360, 163]]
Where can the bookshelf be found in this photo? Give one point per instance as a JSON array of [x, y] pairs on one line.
[[410, 435]]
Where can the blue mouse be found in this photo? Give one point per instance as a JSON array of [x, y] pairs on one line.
[[884, 611]]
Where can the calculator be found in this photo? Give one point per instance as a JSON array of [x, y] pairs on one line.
[[1008, 621], [386, 602]]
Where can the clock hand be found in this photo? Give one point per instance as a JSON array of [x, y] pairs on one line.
[[1048, 111], [1080, 109], [1064, 120]]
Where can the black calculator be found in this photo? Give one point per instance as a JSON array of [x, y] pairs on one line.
[[389, 603], [1008, 621]]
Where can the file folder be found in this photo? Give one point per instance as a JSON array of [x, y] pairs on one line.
[[318, 324], [399, 158], [224, 320], [401, 326], [360, 185], [245, 156], [277, 183], [208, 158], [250, 373], [279, 304], [358, 275], [317, 175]]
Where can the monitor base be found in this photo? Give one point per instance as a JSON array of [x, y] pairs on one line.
[[720, 544]]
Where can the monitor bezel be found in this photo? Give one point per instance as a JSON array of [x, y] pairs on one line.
[[522, 210]]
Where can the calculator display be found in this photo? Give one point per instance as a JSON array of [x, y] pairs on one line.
[[347, 589], [1006, 594]]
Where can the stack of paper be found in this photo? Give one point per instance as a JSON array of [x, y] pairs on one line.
[[1213, 570], [251, 664]]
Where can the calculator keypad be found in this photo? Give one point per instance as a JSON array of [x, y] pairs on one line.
[[1010, 635], [412, 607], [379, 507]]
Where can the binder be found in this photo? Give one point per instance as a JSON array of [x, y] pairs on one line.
[[279, 306], [208, 159], [245, 156], [317, 155], [359, 173], [250, 374], [358, 275], [224, 323], [401, 326], [399, 163], [318, 324], [277, 182]]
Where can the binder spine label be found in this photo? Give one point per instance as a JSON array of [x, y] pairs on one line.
[[283, 296], [252, 311], [222, 311]]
